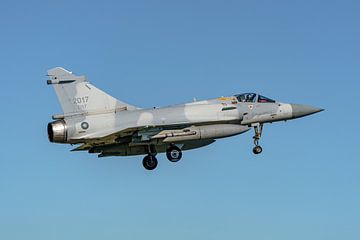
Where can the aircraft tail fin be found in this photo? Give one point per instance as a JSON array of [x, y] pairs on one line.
[[77, 95]]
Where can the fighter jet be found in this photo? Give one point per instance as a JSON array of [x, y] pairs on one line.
[[103, 125]]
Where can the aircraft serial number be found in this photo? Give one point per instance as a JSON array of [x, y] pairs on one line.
[[81, 100]]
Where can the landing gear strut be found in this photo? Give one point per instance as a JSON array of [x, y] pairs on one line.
[[150, 162], [258, 131], [173, 153]]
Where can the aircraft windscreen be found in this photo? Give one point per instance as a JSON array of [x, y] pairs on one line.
[[246, 97], [263, 99]]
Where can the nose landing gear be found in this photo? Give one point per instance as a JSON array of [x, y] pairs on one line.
[[258, 131], [257, 150]]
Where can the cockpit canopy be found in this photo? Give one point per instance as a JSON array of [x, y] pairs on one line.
[[253, 97]]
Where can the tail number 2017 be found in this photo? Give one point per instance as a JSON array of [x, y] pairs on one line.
[[80, 100]]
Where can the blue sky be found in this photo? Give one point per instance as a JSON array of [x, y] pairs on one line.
[[305, 185]]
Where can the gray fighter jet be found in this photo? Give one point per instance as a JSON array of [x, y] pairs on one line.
[[109, 127]]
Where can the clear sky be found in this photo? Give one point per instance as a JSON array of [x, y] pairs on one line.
[[305, 185]]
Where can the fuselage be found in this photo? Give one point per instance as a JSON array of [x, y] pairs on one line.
[[110, 127], [191, 125], [210, 112]]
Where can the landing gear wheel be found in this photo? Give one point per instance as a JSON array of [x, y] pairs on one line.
[[150, 162], [257, 150], [173, 153], [258, 132]]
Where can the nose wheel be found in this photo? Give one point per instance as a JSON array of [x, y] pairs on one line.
[[258, 132], [257, 150]]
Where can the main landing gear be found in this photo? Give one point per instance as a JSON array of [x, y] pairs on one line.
[[258, 131], [173, 153], [150, 162]]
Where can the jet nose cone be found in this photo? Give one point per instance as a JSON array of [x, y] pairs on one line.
[[299, 110]]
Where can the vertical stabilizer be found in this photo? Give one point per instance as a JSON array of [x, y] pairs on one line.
[[77, 95]]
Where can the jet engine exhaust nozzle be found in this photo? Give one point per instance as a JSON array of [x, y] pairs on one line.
[[57, 131]]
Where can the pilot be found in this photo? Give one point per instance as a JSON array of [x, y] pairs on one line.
[[249, 98]]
